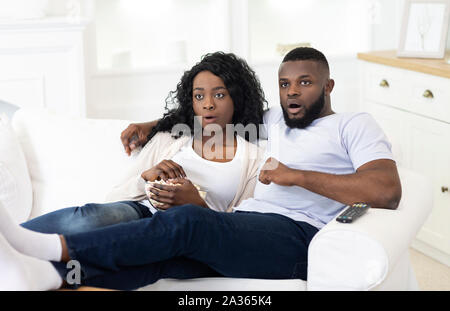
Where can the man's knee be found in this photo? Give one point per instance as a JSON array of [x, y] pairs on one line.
[[187, 224]]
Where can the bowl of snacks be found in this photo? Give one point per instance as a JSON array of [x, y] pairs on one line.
[[158, 205]]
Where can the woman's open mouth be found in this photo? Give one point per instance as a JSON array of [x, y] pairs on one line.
[[210, 119]]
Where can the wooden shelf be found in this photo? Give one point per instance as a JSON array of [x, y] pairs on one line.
[[437, 67]]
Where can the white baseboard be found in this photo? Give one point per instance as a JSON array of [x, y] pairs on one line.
[[432, 252]]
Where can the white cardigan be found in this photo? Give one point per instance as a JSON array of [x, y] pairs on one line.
[[163, 147]]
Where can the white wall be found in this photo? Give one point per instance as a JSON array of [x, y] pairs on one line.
[[335, 27], [250, 28], [133, 96], [340, 28]]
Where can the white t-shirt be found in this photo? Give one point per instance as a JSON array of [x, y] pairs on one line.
[[335, 144], [218, 179]]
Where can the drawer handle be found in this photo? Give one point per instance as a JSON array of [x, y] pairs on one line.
[[428, 94], [444, 189], [384, 83]]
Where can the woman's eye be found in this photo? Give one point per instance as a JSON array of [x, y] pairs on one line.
[[198, 96], [220, 95]]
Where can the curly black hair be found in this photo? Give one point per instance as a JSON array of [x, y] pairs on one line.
[[240, 80]]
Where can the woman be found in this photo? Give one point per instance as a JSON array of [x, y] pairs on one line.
[[219, 90]]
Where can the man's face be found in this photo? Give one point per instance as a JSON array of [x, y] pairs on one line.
[[302, 86]]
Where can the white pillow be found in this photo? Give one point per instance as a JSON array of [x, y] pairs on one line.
[[16, 193], [71, 161]]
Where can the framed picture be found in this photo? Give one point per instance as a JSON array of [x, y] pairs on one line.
[[424, 29]]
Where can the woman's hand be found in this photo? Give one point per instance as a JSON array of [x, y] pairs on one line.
[[166, 169], [172, 195]]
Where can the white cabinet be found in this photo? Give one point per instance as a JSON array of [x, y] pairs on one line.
[[413, 108], [430, 155]]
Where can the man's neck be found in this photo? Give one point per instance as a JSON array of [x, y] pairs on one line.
[[326, 111]]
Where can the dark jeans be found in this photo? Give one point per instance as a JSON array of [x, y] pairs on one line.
[[190, 241], [93, 216]]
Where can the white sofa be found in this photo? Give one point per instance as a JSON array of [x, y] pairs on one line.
[[71, 161]]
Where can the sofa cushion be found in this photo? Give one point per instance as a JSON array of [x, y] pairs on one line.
[[15, 185], [72, 161]]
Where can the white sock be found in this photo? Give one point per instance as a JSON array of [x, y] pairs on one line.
[[24, 273], [28, 242]]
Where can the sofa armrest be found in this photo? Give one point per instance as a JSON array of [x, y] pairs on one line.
[[360, 255]]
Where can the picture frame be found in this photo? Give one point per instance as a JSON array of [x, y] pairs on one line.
[[424, 29]]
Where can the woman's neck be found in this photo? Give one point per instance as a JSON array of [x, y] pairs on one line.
[[218, 147]]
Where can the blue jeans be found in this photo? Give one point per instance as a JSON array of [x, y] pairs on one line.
[[93, 216], [241, 244], [88, 217]]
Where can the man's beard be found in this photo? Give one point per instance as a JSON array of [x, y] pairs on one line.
[[311, 114]]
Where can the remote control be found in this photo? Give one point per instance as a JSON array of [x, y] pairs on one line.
[[353, 212]]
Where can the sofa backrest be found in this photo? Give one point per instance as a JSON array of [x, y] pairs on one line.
[[71, 161]]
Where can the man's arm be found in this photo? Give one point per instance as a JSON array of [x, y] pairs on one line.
[[376, 183], [136, 134]]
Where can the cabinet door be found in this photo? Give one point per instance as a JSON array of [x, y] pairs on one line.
[[395, 126], [430, 155]]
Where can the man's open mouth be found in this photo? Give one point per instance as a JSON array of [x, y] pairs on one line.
[[294, 108]]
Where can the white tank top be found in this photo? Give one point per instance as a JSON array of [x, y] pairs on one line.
[[218, 179]]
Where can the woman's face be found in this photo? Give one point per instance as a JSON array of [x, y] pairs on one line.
[[211, 100]]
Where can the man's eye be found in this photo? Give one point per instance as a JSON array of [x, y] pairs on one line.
[[283, 84], [198, 96], [305, 82]]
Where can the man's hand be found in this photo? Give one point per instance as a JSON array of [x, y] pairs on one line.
[[135, 135], [376, 183], [166, 169], [173, 195], [276, 172]]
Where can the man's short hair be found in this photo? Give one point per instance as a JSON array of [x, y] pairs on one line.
[[306, 53]]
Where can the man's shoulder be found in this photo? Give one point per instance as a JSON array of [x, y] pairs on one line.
[[353, 115], [350, 120]]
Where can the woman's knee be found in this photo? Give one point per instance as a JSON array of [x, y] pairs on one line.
[[93, 215], [55, 222]]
